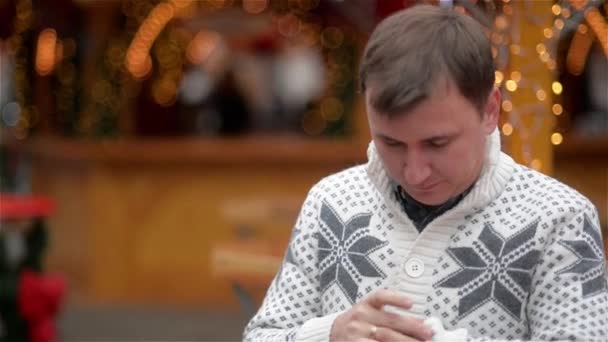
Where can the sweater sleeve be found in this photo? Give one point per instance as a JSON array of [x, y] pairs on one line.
[[292, 308], [569, 294], [568, 300]]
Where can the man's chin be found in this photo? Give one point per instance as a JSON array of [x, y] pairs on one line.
[[434, 196]]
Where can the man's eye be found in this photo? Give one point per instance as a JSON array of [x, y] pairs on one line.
[[392, 143], [437, 144]]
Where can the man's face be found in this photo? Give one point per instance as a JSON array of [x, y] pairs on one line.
[[436, 150]]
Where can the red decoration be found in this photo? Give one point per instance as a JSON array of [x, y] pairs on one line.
[[38, 300], [14, 206]]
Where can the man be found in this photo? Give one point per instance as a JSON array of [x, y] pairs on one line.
[[439, 223]]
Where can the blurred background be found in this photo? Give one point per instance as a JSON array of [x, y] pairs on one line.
[[161, 149]]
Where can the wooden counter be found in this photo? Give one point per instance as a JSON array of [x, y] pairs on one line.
[[136, 221], [249, 150], [582, 163]]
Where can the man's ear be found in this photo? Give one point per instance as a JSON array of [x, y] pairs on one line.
[[492, 111]]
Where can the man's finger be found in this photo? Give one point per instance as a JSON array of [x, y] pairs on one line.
[[381, 298], [403, 325], [387, 334]]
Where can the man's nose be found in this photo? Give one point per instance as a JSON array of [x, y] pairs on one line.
[[416, 170]]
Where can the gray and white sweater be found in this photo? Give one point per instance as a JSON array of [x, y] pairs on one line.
[[520, 257]]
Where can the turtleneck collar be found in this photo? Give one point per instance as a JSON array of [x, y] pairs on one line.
[[495, 173]]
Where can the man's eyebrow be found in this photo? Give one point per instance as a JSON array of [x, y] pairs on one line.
[[442, 136], [386, 137]]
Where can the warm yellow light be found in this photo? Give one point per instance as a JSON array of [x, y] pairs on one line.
[[545, 57], [559, 24], [137, 56], [582, 29], [498, 77], [46, 51], [515, 49], [139, 63], [548, 33], [576, 58], [541, 48], [541, 95], [511, 85], [557, 109], [507, 129], [536, 164], [255, 6], [551, 64], [507, 105], [516, 76], [566, 13], [501, 22], [598, 25], [179, 4], [202, 46], [556, 9], [556, 138], [557, 88]]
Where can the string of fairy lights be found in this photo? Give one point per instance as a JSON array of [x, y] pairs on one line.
[[151, 44], [295, 22], [582, 16], [18, 52], [526, 118]]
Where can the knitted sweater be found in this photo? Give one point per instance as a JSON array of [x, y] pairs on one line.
[[520, 257]]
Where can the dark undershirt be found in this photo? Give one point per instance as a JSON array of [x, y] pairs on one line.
[[422, 214]]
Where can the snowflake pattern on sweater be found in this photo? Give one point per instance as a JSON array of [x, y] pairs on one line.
[[343, 249], [590, 259], [519, 258], [494, 268]]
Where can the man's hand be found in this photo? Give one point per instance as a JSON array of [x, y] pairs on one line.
[[367, 321]]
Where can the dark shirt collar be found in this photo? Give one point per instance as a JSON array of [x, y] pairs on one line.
[[422, 214]]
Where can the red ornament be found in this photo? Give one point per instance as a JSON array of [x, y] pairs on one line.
[[15, 207], [38, 300]]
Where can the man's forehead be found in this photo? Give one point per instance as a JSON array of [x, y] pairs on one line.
[[441, 87]]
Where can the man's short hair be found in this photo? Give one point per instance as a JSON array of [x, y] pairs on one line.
[[413, 50]]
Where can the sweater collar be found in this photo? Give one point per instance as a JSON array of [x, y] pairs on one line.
[[496, 172]]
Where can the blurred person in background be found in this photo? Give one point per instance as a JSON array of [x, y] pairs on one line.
[[440, 235]]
